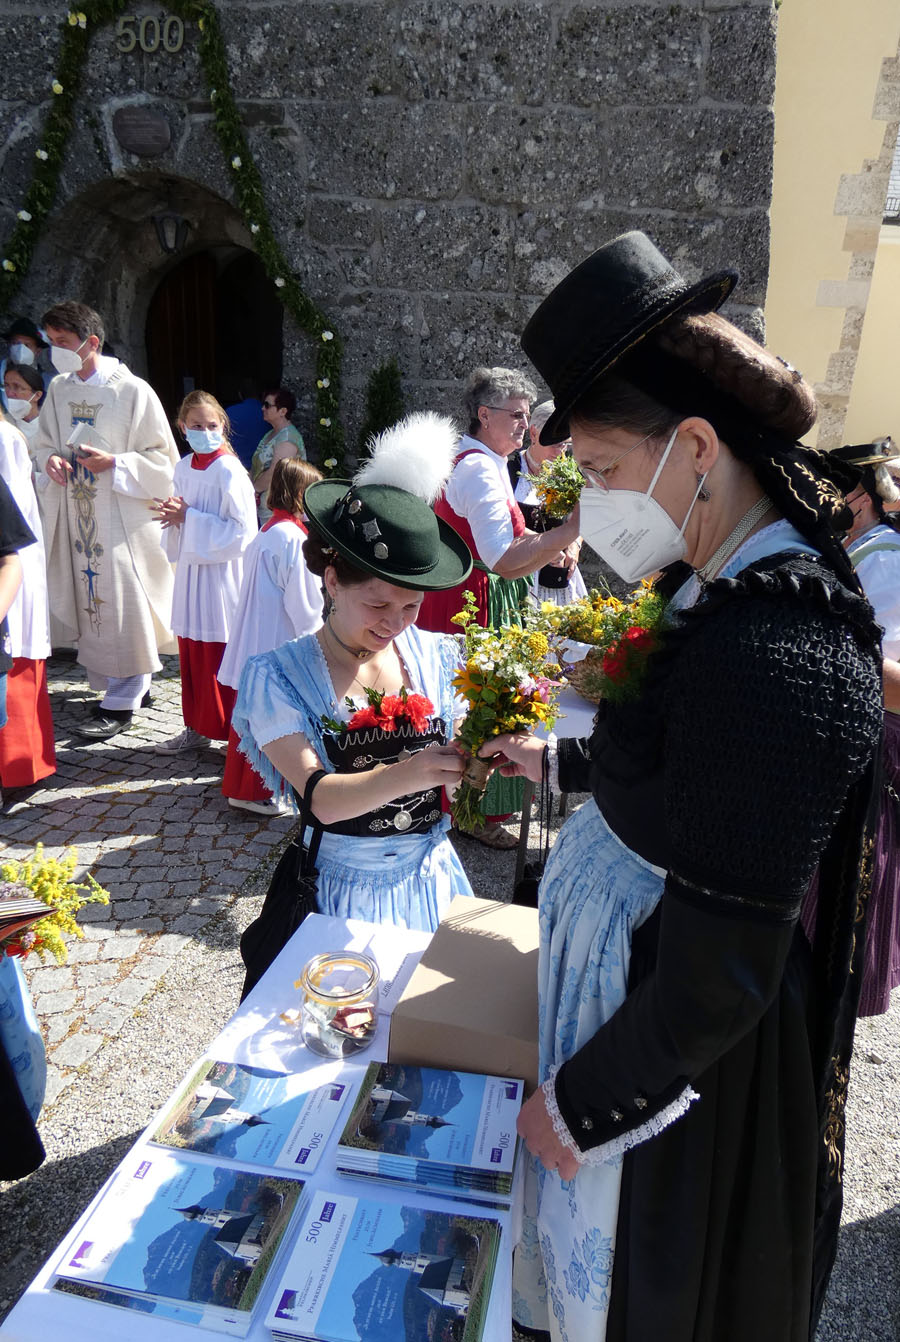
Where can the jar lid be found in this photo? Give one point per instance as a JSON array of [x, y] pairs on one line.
[[339, 978]]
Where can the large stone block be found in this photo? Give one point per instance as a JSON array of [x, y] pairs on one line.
[[466, 246], [278, 152], [461, 331], [536, 157], [109, 72], [308, 51], [380, 149], [740, 67], [375, 327], [473, 52], [663, 159], [30, 46], [342, 223], [199, 157], [639, 54]]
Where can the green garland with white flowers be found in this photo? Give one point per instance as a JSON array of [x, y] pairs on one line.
[[78, 26]]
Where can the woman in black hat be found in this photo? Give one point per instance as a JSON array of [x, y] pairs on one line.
[[368, 699], [873, 545], [695, 1047]]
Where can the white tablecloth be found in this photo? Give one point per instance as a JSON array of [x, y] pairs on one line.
[[256, 1035]]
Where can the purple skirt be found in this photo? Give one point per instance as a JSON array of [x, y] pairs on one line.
[[881, 967]]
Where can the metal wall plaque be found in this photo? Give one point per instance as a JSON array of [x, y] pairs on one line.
[[142, 130]]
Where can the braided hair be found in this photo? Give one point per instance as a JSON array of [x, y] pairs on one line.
[[758, 404]]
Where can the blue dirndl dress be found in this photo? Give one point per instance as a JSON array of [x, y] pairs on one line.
[[408, 879], [594, 894]]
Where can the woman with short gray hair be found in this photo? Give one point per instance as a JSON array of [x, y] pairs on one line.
[[478, 502]]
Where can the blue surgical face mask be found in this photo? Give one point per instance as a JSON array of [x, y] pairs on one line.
[[204, 440]]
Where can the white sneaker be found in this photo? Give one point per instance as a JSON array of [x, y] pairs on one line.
[[186, 740], [269, 807]]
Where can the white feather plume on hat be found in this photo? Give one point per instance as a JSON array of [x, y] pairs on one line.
[[415, 454]]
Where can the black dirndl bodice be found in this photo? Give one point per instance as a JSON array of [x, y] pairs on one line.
[[360, 749]]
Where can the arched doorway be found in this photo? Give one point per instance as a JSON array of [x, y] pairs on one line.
[[214, 321]]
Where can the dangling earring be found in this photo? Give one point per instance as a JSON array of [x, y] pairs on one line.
[[704, 494]]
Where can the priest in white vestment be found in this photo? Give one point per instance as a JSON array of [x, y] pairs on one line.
[[107, 448]]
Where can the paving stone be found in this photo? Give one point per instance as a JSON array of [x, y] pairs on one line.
[[129, 991], [96, 913], [121, 946], [53, 978], [55, 1029], [82, 952], [89, 976], [168, 944], [57, 1081], [49, 1004], [108, 1019], [148, 924], [153, 967], [75, 1050]]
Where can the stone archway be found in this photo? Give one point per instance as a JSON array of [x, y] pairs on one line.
[[103, 247]]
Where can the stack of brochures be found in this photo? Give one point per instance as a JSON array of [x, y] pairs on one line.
[[182, 1239], [450, 1133], [237, 1112], [375, 1271]]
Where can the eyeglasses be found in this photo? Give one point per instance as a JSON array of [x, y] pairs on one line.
[[596, 476], [520, 416], [270, 405]]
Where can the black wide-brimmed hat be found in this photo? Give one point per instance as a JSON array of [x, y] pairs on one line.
[[881, 452], [388, 532], [601, 310], [25, 326]]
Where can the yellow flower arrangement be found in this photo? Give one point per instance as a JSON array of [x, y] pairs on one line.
[[623, 633], [558, 485], [51, 880]]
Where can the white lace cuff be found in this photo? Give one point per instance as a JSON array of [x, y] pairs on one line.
[[552, 762], [609, 1151]]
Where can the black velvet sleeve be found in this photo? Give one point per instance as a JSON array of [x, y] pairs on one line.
[[771, 712], [574, 758]]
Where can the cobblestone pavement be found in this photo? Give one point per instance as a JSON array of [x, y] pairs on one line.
[[157, 833]]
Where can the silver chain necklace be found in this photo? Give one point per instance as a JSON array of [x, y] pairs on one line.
[[734, 539]]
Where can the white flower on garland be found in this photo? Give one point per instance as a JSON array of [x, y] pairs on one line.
[[8, 265], [330, 463], [41, 154], [279, 282], [56, 86], [323, 382], [24, 216], [236, 161], [77, 19], [328, 335], [325, 421], [254, 228]]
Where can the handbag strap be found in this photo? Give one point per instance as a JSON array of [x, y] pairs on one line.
[[308, 854]]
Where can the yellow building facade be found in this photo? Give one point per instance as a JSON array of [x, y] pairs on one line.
[[833, 305]]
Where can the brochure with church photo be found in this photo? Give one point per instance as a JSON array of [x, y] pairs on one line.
[[449, 1132], [258, 1117], [367, 1271], [174, 1230]]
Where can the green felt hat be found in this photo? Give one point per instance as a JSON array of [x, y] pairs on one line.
[[388, 532]]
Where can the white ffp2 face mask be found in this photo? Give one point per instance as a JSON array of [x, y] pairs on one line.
[[67, 360], [630, 531], [19, 353], [18, 407]]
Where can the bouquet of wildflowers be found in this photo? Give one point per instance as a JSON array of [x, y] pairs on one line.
[[558, 485], [51, 881], [504, 679], [622, 634]]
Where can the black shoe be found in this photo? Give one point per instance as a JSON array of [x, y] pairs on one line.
[[146, 701], [16, 798], [104, 723]]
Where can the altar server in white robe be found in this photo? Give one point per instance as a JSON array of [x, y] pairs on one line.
[[106, 446], [208, 522], [26, 742], [280, 600]]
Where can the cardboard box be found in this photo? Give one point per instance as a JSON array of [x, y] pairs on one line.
[[471, 1004]]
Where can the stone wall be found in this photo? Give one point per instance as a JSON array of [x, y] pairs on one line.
[[432, 168]]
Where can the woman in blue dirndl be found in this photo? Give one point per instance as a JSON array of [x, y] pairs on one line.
[[384, 854], [687, 1135]]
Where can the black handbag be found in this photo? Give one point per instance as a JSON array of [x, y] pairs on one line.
[[525, 891], [290, 897]]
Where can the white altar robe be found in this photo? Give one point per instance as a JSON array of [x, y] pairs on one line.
[[29, 627], [207, 549], [109, 580], [280, 599]]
